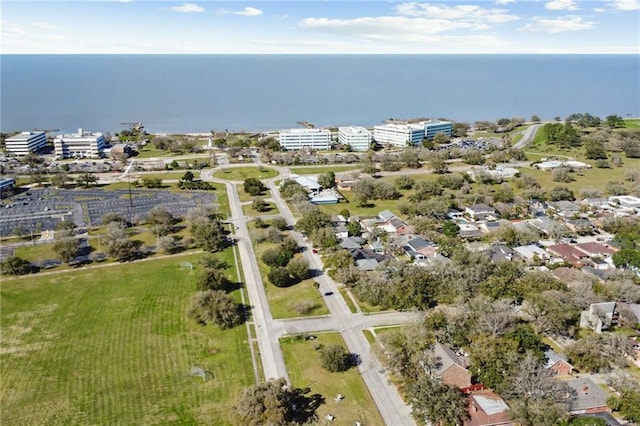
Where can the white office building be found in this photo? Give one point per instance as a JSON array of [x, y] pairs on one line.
[[433, 127], [401, 135], [26, 142], [80, 145], [297, 139], [358, 138]]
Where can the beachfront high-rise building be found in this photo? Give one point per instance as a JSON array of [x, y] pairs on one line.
[[296, 139], [358, 138], [433, 127], [26, 142], [82, 144], [399, 134]]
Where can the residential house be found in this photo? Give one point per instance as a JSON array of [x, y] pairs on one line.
[[310, 183], [341, 231], [599, 316], [569, 276], [597, 203], [596, 249], [367, 264], [451, 369], [557, 363], [500, 251], [568, 253], [377, 246], [586, 397], [350, 243], [469, 230], [564, 208], [625, 201], [486, 408], [532, 254], [455, 214], [419, 247], [580, 226], [544, 224], [479, 212]]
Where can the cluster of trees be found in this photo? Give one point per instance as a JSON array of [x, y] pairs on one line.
[[176, 145], [367, 188], [212, 304], [275, 403], [188, 181], [206, 229], [563, 135], [254, 186], [285, 269], [67, 246]]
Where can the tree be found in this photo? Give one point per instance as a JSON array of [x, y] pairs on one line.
[[327, 180], [460, 130], [208, 234], [450, 229], [335, 358], [437, 162], [404, 182], [298, 268], [276, 257], [86, 180], [188, 176], [67, 248], [313, 220], [535, 119], [594, 150], [363, 190], [409, 159], [253, 186], [259, 205], [213, 279], [628, 404], [440, 138], [214, 307], [279, 276], [150, 182], [559, 193], [15, 265], [627, 258], [279, 223], [60, 180], [354, 229], [561, 174], [117, 243], [274, 403], [493, 359], [433, 402], [473, 156], [160, 221], [614, 121], [166, 244], [290, 188]]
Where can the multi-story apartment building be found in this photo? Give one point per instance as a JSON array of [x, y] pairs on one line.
[[296, 139], [357, 137], [82, 144], [26, 142]]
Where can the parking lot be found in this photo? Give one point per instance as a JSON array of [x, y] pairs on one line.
[[38, 210]]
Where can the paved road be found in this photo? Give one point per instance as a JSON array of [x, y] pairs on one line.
[[527, 136], [391, 406]]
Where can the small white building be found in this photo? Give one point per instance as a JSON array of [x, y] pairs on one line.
[[626, 201], [358, 137], [297, 139], [26, 142], [570, 164], [499, 172], [80, 145]]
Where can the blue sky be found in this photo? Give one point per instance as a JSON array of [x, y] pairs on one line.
[[446, 26]]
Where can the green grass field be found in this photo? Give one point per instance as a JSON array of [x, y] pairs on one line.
[[242, 173], [249, 211], [375, 206], [303, 364], [284, 300], [632, 123], [113, 346]]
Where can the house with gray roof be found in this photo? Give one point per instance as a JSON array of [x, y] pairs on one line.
[[599, 316], [350, 243], [586, 397]]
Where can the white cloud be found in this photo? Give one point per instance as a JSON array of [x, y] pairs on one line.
[[467, 13], [249, 11], [13, 31], [625, 4], [188, 8], [558, 25], [561, 5], [501, 2], [43, 26]]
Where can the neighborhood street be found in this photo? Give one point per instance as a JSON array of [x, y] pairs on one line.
[[387, 398]]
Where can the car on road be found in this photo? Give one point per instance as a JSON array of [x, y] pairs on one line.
[[314, 250]]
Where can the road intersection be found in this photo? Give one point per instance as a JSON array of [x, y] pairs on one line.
[[350, 325]]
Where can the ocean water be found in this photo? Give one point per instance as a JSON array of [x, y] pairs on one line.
[[197, 93]]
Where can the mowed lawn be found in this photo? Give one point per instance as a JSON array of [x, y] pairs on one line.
[[305, 370], [113, 346], [242, 173]]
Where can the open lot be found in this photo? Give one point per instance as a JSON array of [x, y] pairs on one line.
[[41, 209], [113, 346], [304, 366]]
